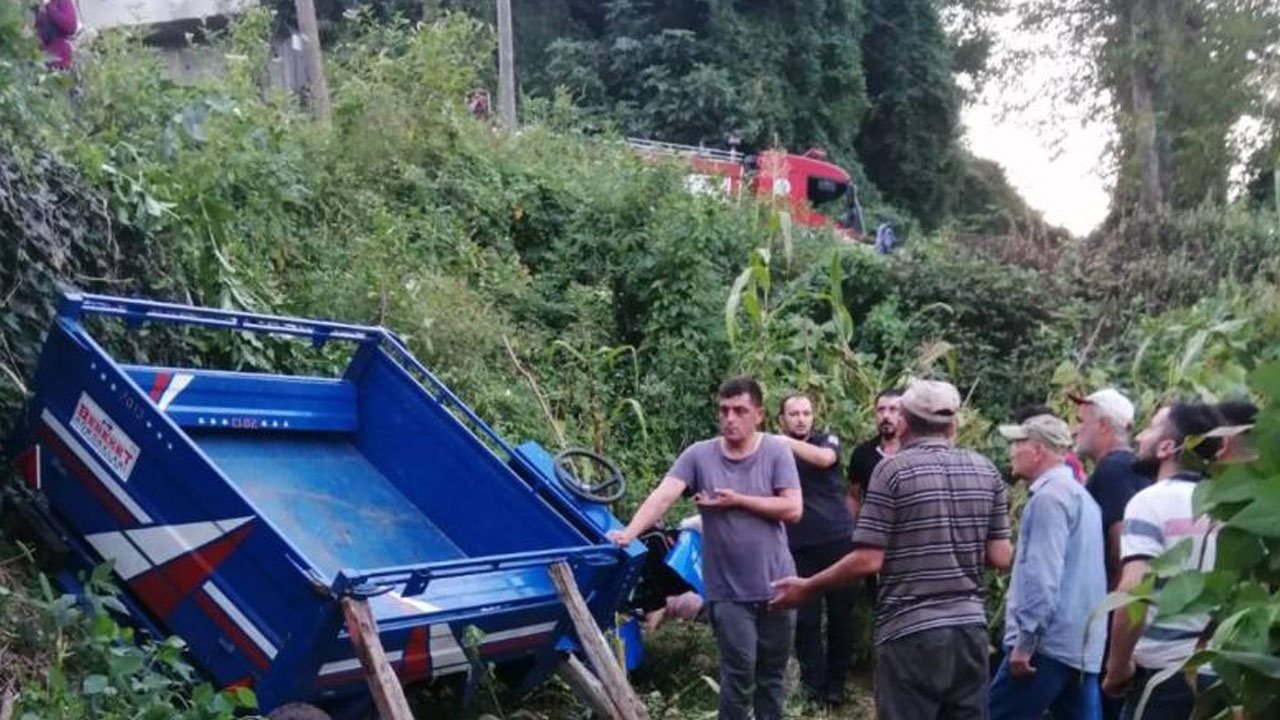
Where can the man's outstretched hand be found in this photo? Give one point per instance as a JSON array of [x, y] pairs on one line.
[[620, 537], [789, 593]]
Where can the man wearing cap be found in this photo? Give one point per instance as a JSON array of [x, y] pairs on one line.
[[1053, 653], [934, 516], [1104, 422]]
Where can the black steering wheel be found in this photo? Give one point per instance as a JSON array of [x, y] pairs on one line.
[[597, 480]]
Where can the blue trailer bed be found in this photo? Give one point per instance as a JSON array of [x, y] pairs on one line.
[[239, 508], [328, 499]]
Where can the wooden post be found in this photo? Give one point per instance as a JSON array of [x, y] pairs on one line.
[[388, 695], [506, 67], [593, 644], [309, 29], [588, 687]]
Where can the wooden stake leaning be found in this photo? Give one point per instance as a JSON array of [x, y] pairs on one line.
[[588, 687], [385, 687], [593, 644]]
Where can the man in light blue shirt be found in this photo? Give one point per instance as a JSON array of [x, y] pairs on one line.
[[1053, 652]]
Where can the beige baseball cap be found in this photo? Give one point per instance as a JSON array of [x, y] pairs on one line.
[[931, 400], [1111, 404], [1045, 429]]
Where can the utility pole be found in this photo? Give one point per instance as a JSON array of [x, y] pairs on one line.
[[310, 31], [506, 66]]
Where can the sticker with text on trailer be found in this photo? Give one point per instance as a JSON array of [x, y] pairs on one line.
[[89, 472], [102, 433]]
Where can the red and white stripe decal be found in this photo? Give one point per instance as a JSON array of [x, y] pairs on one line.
[[242, 625], [170, 393], [158, 385], [162, 543], [445, 656], [29, 465], [114, 546], [164, 564], [82, 462]]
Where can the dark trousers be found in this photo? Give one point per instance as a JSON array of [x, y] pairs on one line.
[[754, 647], [1170, 700], [823, 669], [938, 674], [1111, 706], [1056, 688]]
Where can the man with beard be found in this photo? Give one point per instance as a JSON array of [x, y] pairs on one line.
[[935, 515], [868, 455], [746, 487], [1156, 519], [822, 537]]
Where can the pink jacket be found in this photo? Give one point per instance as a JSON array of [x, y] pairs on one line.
[[56, 25]]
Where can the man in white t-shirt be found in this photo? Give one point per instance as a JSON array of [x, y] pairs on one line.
[[1158, 518]]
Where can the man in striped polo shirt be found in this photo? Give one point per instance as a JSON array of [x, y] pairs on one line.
[[934, 516], [1157, 518]]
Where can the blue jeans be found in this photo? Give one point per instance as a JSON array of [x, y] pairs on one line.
[[1056, 688]]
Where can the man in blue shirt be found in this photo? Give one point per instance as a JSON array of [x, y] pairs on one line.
[[1053, 653]]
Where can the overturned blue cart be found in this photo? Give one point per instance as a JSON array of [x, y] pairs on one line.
[[239, 508]]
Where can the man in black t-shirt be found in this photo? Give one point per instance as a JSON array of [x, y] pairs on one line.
[[820, 538], [868, 455], [1104, 423]]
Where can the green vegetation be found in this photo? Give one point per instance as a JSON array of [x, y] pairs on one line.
[[563, 287], [1177, 78], [1240, 592], [66, 657]]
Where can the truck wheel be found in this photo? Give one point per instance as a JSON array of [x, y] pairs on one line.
[[298, 711]]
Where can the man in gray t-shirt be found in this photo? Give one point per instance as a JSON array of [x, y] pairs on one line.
[[746, 486]]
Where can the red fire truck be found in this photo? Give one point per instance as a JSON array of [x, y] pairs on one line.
[[818, 193]]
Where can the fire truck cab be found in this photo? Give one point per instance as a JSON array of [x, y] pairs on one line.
[[817, 193]]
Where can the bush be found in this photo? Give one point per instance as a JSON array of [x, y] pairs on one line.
[[68, 657], [1150, 264]]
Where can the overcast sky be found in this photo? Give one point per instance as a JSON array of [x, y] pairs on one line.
[[1065, 183], [1064, 176]]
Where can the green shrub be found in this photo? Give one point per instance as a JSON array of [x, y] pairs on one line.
[[68, 657]]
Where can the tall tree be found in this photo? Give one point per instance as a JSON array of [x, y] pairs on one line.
[[775, 72], [1177, 77], [908, 141]]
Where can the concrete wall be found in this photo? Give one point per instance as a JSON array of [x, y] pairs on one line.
[[286, 69], [103, 14]]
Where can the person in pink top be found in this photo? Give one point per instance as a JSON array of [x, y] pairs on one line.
[[56, 24]]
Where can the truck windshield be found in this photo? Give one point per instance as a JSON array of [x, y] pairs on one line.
[[828, 196]]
